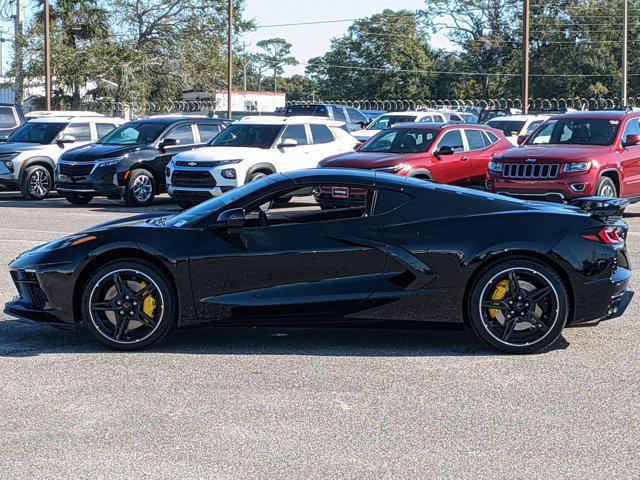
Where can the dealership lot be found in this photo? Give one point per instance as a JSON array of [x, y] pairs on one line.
[[307, 403]]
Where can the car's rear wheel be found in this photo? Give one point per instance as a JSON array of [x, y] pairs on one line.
[[79, 199], [140, 189], [606, 188], [518, 306], [128, 305], [36, 183]]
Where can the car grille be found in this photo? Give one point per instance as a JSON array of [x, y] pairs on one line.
[[530, 170], [193, 178], [199, 163], [77, 170], [27, 282]]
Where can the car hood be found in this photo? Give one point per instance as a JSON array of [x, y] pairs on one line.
[[15, 147], [221, 153], [364, 160], [89, 153], [559, 153]]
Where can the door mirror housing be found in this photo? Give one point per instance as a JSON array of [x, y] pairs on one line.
[[66, 139], [632, 140], [168, 142], [521, 139], [444, 150], [233, 218], [288, 143]]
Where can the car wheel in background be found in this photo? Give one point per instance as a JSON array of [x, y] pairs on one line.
[[36, 183], [128, 304], [518, 306], [140, 189], [606, 188], [79, 199], [256, 176]]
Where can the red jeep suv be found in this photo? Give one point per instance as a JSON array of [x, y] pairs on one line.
[[445, 153], [573, 155]]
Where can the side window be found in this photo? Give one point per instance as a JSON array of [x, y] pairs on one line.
[[456, 118], [104, 128], [183, 134], [475, 139], [426, 119], [208, 131], [321, 134], [81, 131], [453, 139], [7, 118], [632, 128], [490, 137], [355, 116], [295, 132], [533, 125], [388, 200], [338, 114]]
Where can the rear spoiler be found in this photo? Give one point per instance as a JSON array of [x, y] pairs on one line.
[[601, 207]]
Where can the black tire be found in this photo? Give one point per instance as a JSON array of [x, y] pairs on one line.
[[79, 199], [517, 333], [140, 189], [606, 188], [255, 176], [36, 183], [104, 328]]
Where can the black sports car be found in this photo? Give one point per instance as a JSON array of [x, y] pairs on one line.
[[516, 272]]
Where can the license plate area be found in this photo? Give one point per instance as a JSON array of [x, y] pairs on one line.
[[340, 192]]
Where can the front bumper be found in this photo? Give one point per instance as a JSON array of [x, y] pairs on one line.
[[558, 189], [104, 182], [9, 183], [196, 185]]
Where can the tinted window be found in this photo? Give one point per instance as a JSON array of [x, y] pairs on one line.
[[133, 133], [321, 134], [313, 110], [183, 134], [453, 139], [426, 119], [7, 119], [295, 132], [401, 140], [385, 121], [208, 131], [242, 135], [104, 128], [355, 116], [475, 139], [632, 128], [37, 132], [81, 131], [338, 114], [509, 127], [387, 200], [533, 125], [491, 137], [578, 131]]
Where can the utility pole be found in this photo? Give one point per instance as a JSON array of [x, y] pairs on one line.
[[47, 57], [18, 57], [625, 38], [2, 40], [230, 59], [525, 56]]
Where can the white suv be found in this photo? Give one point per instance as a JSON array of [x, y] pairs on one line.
[[29, 155], [252, 148]]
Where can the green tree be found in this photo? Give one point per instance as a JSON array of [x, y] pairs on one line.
[[275, 54]]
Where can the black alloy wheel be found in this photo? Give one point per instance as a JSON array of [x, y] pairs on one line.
[[519, 306], [128, 305]]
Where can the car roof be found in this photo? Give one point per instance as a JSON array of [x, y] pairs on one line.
[[412, 112], [74, 119], [523, 118], [169, 119], [603, 114], [278, 120]]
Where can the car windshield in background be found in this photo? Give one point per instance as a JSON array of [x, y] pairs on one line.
[[313, 110], [37, 132], [386, 121], [401, 140], [580, 131], [133, 133], [509, 127], [252, 136]]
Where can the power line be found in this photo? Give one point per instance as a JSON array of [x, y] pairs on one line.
[[341, 20]]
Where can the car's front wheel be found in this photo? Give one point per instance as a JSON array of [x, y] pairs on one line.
[[128, 304], [518, 306], [140, 189], [606, 188], [79, 199], [36, 183]]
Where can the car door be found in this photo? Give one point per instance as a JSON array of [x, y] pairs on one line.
[[307, 262], [184, 134], [299, 156], [324, 144], [630, 161], [81, 132], [340, 115], [357, 121], [479, 154], [454, 168]]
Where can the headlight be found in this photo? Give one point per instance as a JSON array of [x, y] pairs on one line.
[[228, 173], [106, 162], [70, 241], [229, 162], [577, 166], [392, 169], [495, 166], [9, 165]]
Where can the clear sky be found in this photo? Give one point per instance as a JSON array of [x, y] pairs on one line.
[[314, 40]]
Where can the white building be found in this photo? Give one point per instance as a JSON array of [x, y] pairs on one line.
[[241, 101]]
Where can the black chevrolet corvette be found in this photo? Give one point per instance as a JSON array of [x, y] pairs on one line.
[[516, 272]]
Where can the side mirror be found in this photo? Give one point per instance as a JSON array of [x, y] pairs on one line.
[[632, 140], [168, 142], [66, 139], [521, 139], [357, 146], [233, 218], [288, 143], [444, 150]]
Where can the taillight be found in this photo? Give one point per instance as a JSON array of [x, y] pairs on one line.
[[607, 235]]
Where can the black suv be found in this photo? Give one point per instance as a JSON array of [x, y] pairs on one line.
[[353, 118], [130, 161]]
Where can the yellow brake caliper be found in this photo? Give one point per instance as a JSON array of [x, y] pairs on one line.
[[498, 294], [149, 305]]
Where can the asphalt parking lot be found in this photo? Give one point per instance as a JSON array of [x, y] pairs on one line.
[[233, 403]]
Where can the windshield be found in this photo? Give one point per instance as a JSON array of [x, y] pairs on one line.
[[203, 210], [401, 140], [134, 133], [509, 127], [579, 131], [385, 121], [313, 110], [39, 132], [253, 136]]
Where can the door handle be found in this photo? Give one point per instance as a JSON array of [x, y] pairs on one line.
[[464, 159]]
